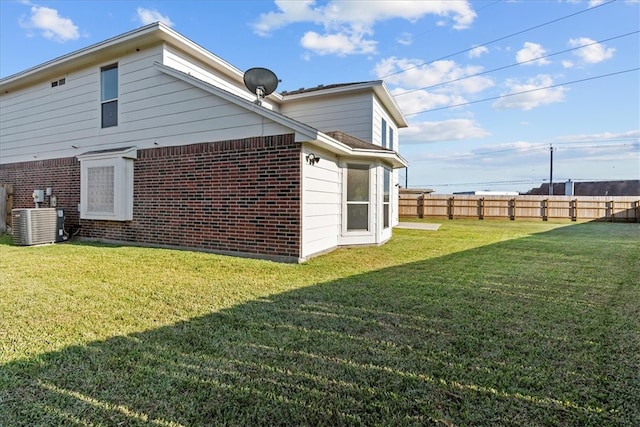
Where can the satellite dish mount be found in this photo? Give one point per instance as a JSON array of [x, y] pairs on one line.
[[261, 82]]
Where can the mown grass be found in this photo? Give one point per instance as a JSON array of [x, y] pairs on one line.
[[479, 323]]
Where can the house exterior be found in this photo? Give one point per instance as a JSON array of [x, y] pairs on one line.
[[149, 139], [628, 187]]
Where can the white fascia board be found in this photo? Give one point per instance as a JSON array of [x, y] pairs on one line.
[[341, 149], [390, 103], [329, 91], [126, 153], [396, 160]]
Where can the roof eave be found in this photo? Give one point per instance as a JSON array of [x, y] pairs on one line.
[[342, 149], [114, 47], [98, 52]]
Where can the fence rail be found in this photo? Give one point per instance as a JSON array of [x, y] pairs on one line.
[[520, 207]]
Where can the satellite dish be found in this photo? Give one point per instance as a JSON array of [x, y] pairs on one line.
[[260, 81]]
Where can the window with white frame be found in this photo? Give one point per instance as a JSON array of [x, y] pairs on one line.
[[386, 200], [106, 184], [109, 95], [357, 199], [383, 133], [391, 138]]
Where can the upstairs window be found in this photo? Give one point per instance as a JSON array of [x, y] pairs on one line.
[[109, 95], [383, 133]]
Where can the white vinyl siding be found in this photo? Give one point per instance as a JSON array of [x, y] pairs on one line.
[[154, 109], [380, 114], [350, 114], [321, 203]]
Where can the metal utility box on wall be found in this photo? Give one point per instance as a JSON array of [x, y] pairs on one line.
[[37, 226]]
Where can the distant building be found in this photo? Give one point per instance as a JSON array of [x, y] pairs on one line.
[[630, 187], [487, 193]]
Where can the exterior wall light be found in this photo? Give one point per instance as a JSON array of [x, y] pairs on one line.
[[312, 159]]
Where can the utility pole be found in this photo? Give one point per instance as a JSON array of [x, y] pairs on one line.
[[406, 177], [550, 170]]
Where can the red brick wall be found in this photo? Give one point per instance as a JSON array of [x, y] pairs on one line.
[[61, 175], [231, 196]]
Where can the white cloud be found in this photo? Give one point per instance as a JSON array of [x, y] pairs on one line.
[[592, 54], [421, 100], [415, 74], [337, 44], [51, 24], [348, 26], [535, 94], [405, 39], [567, 64], [530, 52], [447, 130], [423, 87], [148, 16], [478, 51]]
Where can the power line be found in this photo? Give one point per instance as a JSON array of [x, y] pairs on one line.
[[540, 147], [515, 64], [493, 98], [463, 16], [500, 38]]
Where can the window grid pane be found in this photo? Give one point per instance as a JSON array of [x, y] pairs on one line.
[[384, 133], [358, 217], [386, 198], [110, 114], [387, 185], [358, 183], [385, 215], [100, 187], [109, 83]]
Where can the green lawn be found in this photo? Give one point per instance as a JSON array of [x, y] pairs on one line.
[[481, 323]]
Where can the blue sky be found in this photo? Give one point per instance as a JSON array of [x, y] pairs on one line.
[[487, 86]]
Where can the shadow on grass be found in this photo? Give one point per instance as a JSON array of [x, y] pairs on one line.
[[522, 332]]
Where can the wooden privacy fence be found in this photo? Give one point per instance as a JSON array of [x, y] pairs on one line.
[[6, 204], [520, 207]]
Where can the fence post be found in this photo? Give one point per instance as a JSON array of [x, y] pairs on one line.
[[638, 211], [512, 209], [573, 209], [613, 214], [545, 209], [450, 207], [420, 201], [481, 208]]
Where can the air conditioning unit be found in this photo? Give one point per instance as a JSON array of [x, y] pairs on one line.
[[37, 226]]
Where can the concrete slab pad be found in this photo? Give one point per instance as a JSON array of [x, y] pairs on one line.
[[418, 226]]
